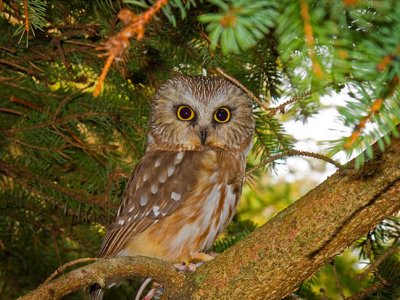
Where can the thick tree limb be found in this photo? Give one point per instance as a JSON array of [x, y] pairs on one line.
[[117, 268], [274, 259]]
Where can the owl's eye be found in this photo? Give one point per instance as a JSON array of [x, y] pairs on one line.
[[222, 115], [185, 113]]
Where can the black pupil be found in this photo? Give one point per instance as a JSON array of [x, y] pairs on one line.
[[185, 113], [222, 115]]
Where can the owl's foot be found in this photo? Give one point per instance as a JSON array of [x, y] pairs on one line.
[[194, 261], [155, 293]]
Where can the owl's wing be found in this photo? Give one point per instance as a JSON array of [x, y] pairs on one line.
[[160, 183]]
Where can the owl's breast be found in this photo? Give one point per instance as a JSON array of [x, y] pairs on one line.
[[207, 211]]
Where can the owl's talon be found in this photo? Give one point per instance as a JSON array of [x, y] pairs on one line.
[[189, 267]]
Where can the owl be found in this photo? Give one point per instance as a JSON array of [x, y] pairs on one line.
[[183, 193]]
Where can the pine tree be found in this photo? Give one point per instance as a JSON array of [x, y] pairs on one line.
[[65, 154]]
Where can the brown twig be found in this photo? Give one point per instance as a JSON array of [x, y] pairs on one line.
[[377, 262], [80, 44], [15, 172], [367, 291], [310, 38], [60, 120], [103, 75], [339, 287], [11, 64], [119, 43], [291, 152], [11, 111], [12, 51], [236, 82], [373, 110], [63, 267], [281, 108], [27, 22]]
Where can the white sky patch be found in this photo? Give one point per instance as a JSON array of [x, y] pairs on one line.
[[322, 127]]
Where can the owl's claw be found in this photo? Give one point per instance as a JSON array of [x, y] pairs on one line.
[[155, 293], [188, 267]]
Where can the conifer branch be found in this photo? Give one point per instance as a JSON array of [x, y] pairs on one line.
[[291, 152], [11, 111], [236, 82], [15, 172], [377, 262], [26, 17], [281, 108], [338, 285], [373, 110], [118, 44], [310, 38]]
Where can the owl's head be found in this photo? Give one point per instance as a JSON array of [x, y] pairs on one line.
[[197, 113]]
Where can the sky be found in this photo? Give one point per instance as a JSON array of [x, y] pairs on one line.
[[324, 126]]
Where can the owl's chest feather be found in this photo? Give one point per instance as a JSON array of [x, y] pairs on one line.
[[208, 210]]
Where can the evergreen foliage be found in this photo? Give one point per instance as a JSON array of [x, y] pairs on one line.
[[65, 156]]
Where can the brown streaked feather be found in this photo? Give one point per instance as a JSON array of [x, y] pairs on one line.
[[152, 169]]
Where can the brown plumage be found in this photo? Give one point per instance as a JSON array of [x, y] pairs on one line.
[[180, 196]]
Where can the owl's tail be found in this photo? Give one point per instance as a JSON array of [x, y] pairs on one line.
[[96, 292]]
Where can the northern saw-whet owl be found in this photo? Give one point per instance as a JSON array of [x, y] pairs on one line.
[[183, 192]]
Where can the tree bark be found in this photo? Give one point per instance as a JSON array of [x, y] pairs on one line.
[[274, 259]]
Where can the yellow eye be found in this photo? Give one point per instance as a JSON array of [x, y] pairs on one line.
[[222, 115], [185, 113]]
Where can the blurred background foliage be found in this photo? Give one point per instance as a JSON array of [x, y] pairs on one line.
[[65, 156]]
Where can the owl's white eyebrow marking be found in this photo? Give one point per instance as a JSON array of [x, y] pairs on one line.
[[179, 157], [143, 200], [171, 170], [158, 163], [129, 219], [121, 222], [132, 208], [162, 178], [176, 196], [154, 188], [156, 210]]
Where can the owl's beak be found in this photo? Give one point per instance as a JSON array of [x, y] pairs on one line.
[[203, 135]]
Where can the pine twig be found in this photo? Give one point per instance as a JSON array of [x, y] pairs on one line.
[[236, 82], [68, 264], [27, 22], [11, 111], [291, 152], [119, 43], [377, 262], [374, 109], [310, 38], [281, 108], [367, 291], [339, 287], [272, 110]]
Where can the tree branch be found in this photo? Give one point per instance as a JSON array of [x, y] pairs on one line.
[[117, 268], [275, 258]]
